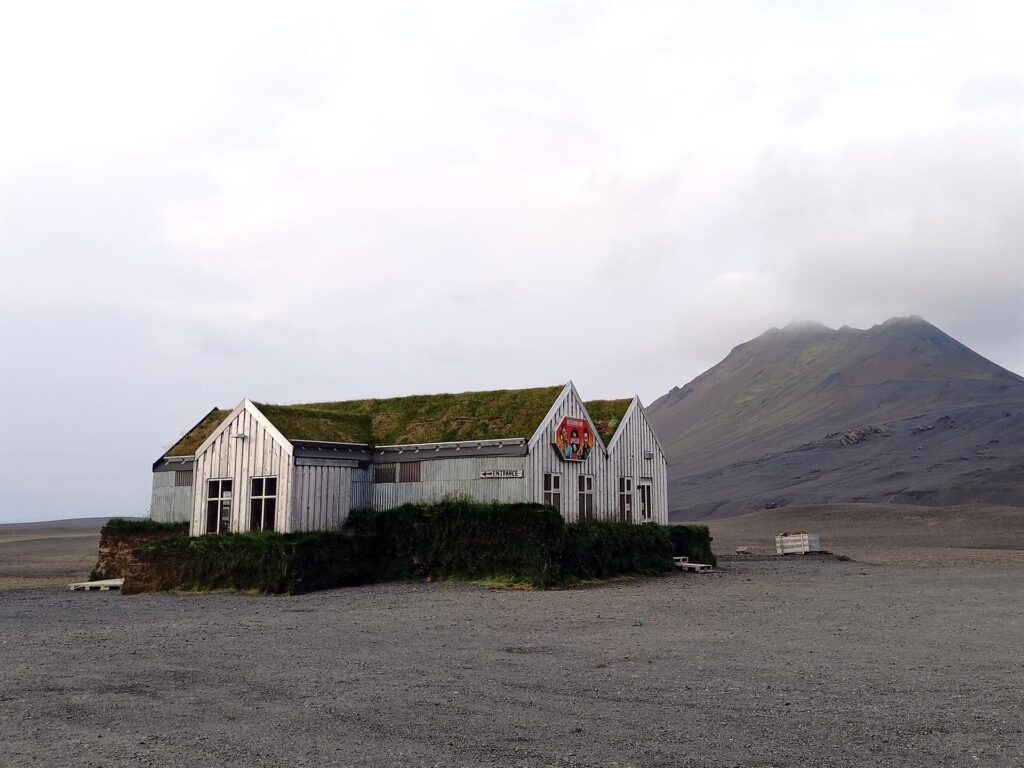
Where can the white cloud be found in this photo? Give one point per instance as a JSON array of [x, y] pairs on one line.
[[207, 202]]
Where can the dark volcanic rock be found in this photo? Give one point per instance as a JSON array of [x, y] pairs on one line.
[[806, 414]]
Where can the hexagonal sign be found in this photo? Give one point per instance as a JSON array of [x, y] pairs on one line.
[[574, 439]]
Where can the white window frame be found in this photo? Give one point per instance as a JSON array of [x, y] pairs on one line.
[[262, 498], [220, 498], [553, 490], [585, 497]]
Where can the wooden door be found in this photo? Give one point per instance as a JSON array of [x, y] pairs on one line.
[[626, 499]]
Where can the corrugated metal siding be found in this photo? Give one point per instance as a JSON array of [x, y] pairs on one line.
[[321, 499], [626, 459], [544, 458], [258, 455], [442, 477], [362, 488], [170, 503]]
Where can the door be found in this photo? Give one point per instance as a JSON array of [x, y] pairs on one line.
[[626, 499], [644, 493]]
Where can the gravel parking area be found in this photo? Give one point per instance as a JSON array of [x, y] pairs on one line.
[[772, 663]]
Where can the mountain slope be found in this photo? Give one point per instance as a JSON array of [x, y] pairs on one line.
[[807, 414]]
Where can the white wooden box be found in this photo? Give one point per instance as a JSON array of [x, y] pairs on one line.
[[797, 543]]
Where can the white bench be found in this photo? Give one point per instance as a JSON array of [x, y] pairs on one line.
[[103, 586], [685, 564]]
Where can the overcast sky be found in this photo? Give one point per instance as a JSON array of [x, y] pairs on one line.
[[319, 201]]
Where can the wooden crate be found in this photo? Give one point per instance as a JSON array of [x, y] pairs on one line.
[[797, 543]]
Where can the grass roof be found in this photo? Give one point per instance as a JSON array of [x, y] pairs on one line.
[[607, 414], [417, 418], [192, 439], [314, 422]]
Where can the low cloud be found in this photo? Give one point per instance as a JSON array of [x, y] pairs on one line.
[[351, 201], [924, 225]]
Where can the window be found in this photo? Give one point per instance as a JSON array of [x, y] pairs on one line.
[[218, 506], [553, 490], [409, 472], [643, 489], [262, 503], [183, 478], [384, 473], [586, 497], [626, 499]]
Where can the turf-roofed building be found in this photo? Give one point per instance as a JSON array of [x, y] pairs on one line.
[[304, 467]]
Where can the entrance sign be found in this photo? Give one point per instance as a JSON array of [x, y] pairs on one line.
[[500, 474]]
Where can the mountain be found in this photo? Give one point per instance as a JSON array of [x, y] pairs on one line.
[[900, 412]]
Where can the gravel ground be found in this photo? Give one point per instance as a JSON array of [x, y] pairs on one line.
[[767, 663], [887, 534]]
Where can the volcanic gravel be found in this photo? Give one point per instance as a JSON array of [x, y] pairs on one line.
[[768, 663]]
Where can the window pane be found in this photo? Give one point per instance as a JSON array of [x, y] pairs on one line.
[[270, 486], [225, 489], [547, 482], [556, 482], [211, 516], [225, 516], [257, 486], [269, 507], [255, 516], [213, 489]]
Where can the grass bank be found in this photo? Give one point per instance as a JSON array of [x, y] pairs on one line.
[[495, 544]]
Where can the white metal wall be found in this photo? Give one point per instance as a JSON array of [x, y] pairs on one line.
[[230, 456], [322, 497], [170, 503], [544, 458], [626, 459], [443, 477]]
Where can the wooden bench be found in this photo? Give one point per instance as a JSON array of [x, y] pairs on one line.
[[685, 564], [103, 586]]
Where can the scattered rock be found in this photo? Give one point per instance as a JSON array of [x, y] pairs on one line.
[[858, 435]]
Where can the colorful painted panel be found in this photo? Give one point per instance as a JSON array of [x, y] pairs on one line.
[[574, 439]]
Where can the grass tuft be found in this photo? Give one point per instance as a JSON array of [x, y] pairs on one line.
[[125, 526]]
